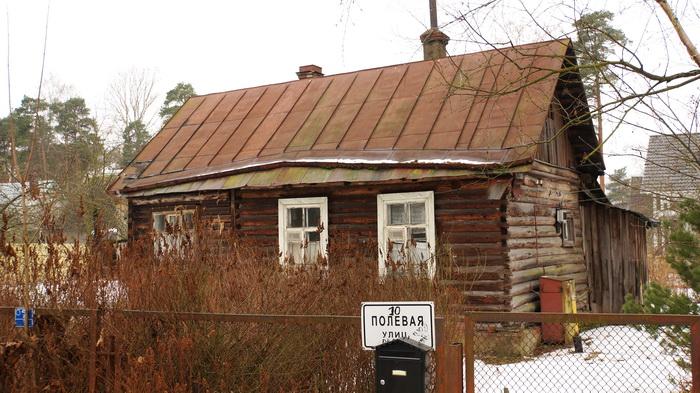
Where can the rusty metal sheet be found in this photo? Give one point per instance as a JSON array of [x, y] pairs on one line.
[[460, 107], [307, 175], [204, 109]]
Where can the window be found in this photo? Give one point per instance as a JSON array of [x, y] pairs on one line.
[[172, 227], [406, 230], [565, 226], [303, 233]]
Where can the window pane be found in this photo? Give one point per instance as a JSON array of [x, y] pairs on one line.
[[397, 214], [188, 220], [312, 251], [295, 217], [313, 236], [420, 253], [159, 222], [417, 213], [172, 220], [294, 251], [313, 216], [396, 250], [418, 235], [294, 236]]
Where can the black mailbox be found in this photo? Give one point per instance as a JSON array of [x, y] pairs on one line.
[[400, 366]]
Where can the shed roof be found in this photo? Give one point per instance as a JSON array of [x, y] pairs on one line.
[[476, 110], [671, 165]]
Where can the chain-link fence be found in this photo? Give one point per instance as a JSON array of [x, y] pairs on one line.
[[540, 352]]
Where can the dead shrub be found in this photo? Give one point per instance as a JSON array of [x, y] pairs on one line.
[[208, 273]]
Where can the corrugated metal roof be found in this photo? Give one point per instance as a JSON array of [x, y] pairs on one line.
[[487, 107]]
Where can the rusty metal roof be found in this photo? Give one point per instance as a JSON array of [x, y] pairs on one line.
[[481, 109], [302, 176]]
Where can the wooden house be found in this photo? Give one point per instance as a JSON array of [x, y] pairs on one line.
[[489, 155]]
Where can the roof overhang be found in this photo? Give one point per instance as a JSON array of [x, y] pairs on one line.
[[314, 173]]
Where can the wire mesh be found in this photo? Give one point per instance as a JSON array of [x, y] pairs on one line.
[[581, 357]]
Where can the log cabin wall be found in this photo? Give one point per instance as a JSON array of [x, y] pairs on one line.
[[535, 246], [212, 209], [615, 249], [469, 220]]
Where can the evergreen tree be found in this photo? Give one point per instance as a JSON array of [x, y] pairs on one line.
[[174, 99], [134, 137], [618, 190], [596, 40], [24, 118], [683, 254], [80, 146]]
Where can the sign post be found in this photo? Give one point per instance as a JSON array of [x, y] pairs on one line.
[[387, 321]]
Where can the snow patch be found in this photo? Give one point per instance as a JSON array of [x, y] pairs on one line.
[[615, 359]]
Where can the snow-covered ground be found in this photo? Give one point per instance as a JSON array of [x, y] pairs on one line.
[[615, 359]]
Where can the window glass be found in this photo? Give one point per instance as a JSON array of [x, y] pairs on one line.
[[417, 213], [296, 217], [313, 216], [418, 235], [159, 222], [397, 214], [188, 220], [294, 251], [406, 232], [301, 241], [313, 236], [172, 221]]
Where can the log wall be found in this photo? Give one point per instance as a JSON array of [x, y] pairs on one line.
[[469, 218], [535, 248], [615, 249], [212, 208]]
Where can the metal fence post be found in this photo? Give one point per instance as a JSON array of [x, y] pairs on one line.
[[469, 331], [695, 355]]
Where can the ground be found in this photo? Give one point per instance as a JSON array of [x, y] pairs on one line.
[[615, 359]]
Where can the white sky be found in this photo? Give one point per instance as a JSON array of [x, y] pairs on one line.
[[224, 45]]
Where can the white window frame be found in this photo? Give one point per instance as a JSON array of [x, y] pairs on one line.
[[383, 201], [282, 218], [165, 240]]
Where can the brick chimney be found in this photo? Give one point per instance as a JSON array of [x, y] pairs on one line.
[[309, 71], [434, 44], [434, 41]]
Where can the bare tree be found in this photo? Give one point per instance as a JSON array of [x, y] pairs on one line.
[[657, 66], [131, 97]]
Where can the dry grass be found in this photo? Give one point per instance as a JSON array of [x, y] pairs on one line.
[[226, 275]]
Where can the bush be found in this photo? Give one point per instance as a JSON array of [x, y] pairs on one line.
[[221, 275]]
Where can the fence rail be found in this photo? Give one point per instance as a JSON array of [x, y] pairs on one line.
[[641, 357]]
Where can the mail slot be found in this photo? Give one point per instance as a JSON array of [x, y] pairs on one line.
[[400, 366]]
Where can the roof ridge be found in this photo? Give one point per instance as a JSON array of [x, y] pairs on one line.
[[562, 40]]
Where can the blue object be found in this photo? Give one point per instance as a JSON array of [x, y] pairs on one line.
[[19, 317]]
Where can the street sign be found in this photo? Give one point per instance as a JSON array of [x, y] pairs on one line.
[[19, 317], [386, 321]]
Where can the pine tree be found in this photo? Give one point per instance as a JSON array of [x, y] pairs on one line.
[[134, 137], [618, 191], [174, 99], [596, 38], [683, 254]]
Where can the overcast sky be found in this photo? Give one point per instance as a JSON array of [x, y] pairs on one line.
[[224, 45]]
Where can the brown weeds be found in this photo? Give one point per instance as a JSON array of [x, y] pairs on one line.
[[208, 273]]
